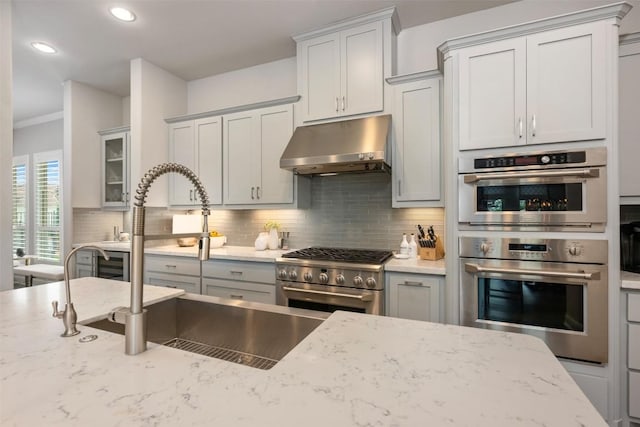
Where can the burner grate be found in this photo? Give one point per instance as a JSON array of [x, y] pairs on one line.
[[222, 353], [364, 256]]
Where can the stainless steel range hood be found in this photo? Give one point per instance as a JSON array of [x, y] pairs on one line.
[[357, 145]]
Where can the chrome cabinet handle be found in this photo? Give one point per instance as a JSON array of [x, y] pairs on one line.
[[581, 173], [533, 125], [343, 103], [364, 297], [123, 197], [409, 283], [475, 268], [171, 266], [236, 296], [520, 127], [195, 196], [258, 193], [191, 195], [336, 104], [252, 189], [233, 272]]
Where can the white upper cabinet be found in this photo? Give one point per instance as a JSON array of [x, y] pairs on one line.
[[416, 140], [253, 144], [196, 144], [115, 168], [543, 88], [629, 110], [341, 69]]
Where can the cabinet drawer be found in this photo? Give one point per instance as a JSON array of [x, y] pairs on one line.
[[245, 271], [634, 394], [633, 308], [187, 283], [256, 292], [634, 346], [84, 257], [173, 265]]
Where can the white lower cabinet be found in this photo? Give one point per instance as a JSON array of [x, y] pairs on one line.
[[633, 355], [243, 280], [173, 272], [84, 264], [415, 296]]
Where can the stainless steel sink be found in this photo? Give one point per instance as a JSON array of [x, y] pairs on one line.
[[256, 335]]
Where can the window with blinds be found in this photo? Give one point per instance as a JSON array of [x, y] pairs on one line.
[[20, 188], [48, 202]]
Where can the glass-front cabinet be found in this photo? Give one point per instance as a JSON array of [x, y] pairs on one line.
[[115, 168]]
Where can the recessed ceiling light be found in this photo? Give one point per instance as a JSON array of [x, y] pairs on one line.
[[43, 47], [123, 14]]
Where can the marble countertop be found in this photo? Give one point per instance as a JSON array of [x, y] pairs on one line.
[[415, 266], [353, 370], [629, 280]]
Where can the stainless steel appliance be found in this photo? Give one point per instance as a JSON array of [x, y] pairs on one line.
[[547, 190], [329, 279], [630, 247], [115, 268], [550, 288]]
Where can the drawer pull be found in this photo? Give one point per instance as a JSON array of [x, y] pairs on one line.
[[408, 283], [236, 296], [236, 272], [170, 265]]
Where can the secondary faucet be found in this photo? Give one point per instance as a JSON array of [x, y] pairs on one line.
[[134, 317], [69, 316]]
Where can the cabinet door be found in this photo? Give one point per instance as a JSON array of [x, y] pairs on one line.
[[115, 190], [566, 71], [361, 69], [634, 394], [275, 130], [629, 125], [187, 283], [415, 297], [492, 95], [320, 77], [182, 150], [416, 154], [241, 158], [208, 134]]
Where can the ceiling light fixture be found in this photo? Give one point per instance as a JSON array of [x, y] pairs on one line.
[[123, 14], [43, 47]]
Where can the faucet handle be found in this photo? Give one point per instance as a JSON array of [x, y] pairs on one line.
[[56, 313]]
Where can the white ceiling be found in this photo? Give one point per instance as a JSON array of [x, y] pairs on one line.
[[189, 38]]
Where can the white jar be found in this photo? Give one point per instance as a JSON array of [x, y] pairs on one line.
[[273, 238], [262, 241], [413, 247], [404, 245]]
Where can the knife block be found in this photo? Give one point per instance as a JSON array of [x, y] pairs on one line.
[[432, 254]]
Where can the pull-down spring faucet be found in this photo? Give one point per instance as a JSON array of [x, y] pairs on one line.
[[134, 317]]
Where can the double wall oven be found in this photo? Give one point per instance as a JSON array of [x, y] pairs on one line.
[[514, 279], [329, 279]]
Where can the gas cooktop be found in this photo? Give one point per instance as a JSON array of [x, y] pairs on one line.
[[359, 256]]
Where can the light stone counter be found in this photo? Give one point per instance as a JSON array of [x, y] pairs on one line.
[[418, 266], [629, 280], [353, 370]]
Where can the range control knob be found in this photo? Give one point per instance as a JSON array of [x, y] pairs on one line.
[[545, 159], [282, 273], [484, 247], [371, 282], [340, 279], [575, 250], [323, 277], [371, 156], [361, 156], [357, 281], [308, 276], [293, 275]]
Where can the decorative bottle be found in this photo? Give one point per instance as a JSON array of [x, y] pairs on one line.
[[413, 247], [404, 245]]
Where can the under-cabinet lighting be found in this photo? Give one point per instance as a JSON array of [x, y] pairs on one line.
[[43, 47], [123, 14]]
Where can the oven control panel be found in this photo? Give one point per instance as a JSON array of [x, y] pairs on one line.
[[344, 277]]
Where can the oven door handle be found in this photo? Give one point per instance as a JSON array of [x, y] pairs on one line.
[[579, 173], [475, 268], [364, 297]]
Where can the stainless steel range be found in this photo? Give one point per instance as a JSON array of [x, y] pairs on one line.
[[329, 279]]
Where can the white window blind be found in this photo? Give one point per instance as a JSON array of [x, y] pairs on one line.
[[48, 202], [20, 193]]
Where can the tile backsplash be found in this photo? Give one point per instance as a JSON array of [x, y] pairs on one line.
[[351, 211]]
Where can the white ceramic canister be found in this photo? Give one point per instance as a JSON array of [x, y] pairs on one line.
[[262, 241]]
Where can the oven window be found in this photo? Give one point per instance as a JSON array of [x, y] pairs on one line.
[[328, 308], [542, 304], [530, 197]]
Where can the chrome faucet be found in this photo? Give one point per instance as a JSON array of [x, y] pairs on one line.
[[134, 317], [69, 316]]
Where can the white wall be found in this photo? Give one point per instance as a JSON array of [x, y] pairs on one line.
[[155, 95], [6, 147], [417, 45], [263, 82], [46, 136], [126, 111]]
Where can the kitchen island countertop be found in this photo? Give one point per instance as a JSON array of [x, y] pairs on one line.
[[353, 370], [630, 280]]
